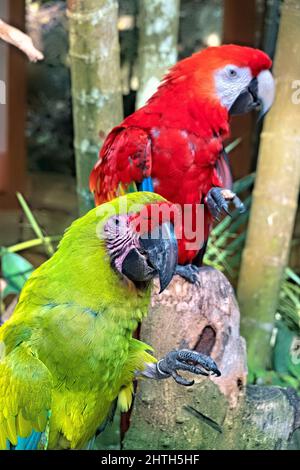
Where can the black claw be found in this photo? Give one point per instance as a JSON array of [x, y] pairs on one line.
[[181, 380], [189, 272], [187, 360], [213, 207], [204, 361], [193, 369], [226, 210], [217, 203], [238, 204]]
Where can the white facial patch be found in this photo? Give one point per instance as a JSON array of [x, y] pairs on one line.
[[230, 81]]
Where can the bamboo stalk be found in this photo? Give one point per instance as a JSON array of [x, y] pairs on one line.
[[275, 198], [158, 31], [96, 85]]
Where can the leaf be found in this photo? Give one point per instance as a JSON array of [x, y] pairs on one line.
[[35, 226], [244, 183], [233, 145], [289, 300], [289, 273], [286, 357], [15, 270]]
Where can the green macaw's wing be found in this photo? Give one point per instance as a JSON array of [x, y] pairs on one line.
[[25, 395]]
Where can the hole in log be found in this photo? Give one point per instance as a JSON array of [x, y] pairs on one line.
[[206, 340], [239, 383]]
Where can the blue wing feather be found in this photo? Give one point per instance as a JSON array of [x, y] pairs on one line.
[[147, 185], [91, 443], [26, 443], [29, 443]]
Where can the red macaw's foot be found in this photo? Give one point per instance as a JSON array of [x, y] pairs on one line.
[[186, 360], [218, 199], [189, 272]]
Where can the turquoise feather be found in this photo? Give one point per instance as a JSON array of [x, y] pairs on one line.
[[26, 443], [147, 185], [29, 443]]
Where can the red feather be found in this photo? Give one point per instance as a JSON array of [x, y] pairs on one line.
[[177, 137]]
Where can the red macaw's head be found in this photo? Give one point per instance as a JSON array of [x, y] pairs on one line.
[[143, 244], [236, 77]]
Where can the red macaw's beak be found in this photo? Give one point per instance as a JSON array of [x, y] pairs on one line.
[[259, 94], [158, 255]]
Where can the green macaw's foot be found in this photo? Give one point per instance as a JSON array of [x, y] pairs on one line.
[[189, 272], [186, 360], [218, 199]]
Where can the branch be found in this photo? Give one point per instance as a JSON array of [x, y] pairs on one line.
[[20, 40]]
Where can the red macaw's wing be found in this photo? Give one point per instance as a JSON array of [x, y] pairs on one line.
[[224, 171], [124, 159]]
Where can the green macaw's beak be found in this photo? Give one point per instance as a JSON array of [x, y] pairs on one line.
[[158, 256], [162, 251]]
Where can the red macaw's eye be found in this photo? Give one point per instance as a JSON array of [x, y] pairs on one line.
[[232, 73]]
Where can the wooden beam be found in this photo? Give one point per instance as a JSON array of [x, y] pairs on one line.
[[15, 163], [240, 27], [239, 22]]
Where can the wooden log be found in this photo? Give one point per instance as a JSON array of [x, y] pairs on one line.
[[217, 413], [13, 114]]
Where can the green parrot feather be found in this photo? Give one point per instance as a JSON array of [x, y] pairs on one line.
[[67, 352]]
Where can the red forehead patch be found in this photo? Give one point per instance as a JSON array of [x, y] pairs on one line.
[[153, 215]]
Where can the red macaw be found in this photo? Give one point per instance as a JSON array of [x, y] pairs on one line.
[[174, 145]]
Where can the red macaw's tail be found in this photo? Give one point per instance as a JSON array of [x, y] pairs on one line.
[[102, 181], [99, 187]]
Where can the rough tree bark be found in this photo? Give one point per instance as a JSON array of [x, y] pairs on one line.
[[275, 198], [158, 31], [96, 85], [223, 413]]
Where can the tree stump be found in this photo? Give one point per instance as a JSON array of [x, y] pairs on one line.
[[216, 413]]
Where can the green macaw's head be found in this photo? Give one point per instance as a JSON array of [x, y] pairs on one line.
[[138, 233]]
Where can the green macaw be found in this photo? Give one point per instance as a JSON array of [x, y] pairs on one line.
[[67, 354]]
